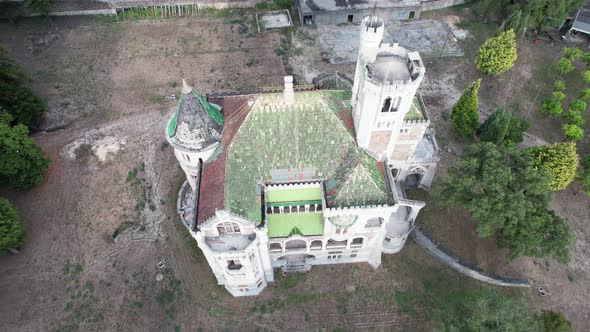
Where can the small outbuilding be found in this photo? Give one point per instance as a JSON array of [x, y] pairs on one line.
[[582, 21]]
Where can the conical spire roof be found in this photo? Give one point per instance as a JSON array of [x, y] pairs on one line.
[[197, 124]]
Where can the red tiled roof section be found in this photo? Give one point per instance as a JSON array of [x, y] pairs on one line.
[[211, 190]]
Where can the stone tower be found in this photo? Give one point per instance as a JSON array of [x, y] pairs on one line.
[[387, 77], [194, 132]]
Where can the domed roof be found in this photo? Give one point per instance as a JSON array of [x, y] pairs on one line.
[[197, 124]]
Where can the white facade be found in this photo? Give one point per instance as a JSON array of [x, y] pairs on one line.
[[240, 252]]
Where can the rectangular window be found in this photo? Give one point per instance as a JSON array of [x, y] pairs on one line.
[[352, 255], [350, 18]]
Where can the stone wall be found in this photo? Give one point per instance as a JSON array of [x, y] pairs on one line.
[[438, 4]]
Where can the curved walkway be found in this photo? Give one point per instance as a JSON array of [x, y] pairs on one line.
[[455, 263]]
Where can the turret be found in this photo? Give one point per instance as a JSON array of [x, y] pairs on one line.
[[194, 131], [372, 29]]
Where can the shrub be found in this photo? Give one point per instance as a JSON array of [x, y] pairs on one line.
[[495, 127], [12, 232], [578, 106], [558, 95], [551, 107], [559, 161], [573, 132], [586, 59], [464, 118], [559, 86], [552, 321], [574, 118], [586, 76], [572, 53], [15, 97], [497, 54], [38, 6], [21, 161], [585, 94], [564, 66], [515, 129]]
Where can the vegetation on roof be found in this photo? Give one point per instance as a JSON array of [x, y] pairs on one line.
[[416, 112], [308, 134]]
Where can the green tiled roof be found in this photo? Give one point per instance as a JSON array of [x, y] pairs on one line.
[[312, 133], [416, 113], [213, 111], [282, 225]]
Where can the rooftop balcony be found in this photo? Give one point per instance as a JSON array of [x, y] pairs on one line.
[[232, 242]]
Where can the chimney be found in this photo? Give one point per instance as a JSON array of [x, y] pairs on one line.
[[288, 92]]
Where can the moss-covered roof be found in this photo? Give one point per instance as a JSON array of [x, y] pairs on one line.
[[313, 133], [416, 113], [283, 225]]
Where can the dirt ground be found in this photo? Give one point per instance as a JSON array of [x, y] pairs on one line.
[[105, 214]]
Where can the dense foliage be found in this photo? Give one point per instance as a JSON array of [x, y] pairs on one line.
[[516, 127], [12, 232], [38, 6], [500, 188], [540, 14], [464, 118], [497, 54], [15, 97], [551, 107], [564, 65], [573, 132], [495, 127], [457, 305], [559, 161], [21, 161]]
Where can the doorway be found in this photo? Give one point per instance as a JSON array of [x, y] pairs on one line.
[[350, 17], [412, 13]]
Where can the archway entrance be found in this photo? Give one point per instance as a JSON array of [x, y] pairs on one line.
[[296, 262], [414, 177]]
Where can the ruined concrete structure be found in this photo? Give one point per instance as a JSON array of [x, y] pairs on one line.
[[301, 178], [322, 12]]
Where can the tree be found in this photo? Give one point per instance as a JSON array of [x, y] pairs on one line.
[[495, 127], [551, 107], [578, 106], [559, 85], [559, 161], [464, 118], [574, 118], [586, 59], [552, 321], [15, 97], [572, 53], [547, 13], [516, 127], [573, 132], [558, 95], [21, 161], [38, 6], [12, 232], [564, 66], [586, 76], [585, 94], [497, 54], [508, 197]]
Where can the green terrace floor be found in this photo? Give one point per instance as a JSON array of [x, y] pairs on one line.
[[294, 195], [283, 225]]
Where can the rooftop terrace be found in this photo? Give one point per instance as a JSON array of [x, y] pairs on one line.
[[282, 225], [416, 112]]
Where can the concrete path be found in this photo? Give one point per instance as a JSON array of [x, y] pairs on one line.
[[454, 262]]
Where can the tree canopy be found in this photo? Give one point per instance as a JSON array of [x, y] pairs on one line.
[[559, 161], [15, 96], [497, 54], [508, 197], [21, 161], [495, 127], [12, 232], [464, 118]]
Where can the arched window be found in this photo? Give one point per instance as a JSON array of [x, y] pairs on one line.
[[357, 242], [396, 102], [295, 244], [276, 247], [386, 105], [316, 245]]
